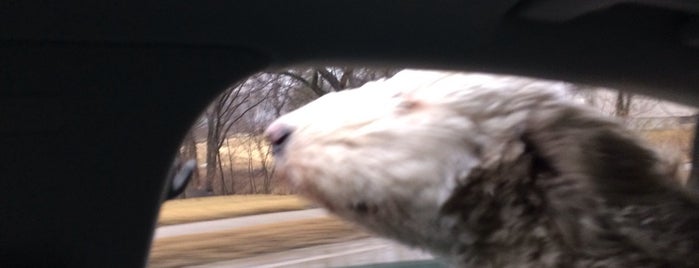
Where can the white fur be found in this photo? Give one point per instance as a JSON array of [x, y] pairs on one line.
[[370, 145], [408, 157]]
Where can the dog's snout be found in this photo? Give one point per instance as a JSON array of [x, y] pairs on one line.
[[278, 134]]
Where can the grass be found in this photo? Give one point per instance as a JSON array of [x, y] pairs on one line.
[[682, 137], [241, 149], [250, 241], [671, 140], [220, 207]]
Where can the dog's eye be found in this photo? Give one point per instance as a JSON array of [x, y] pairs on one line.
[[408, 104]]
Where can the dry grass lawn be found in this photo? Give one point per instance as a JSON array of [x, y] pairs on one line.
[[220, 207], [242, 149], [246, 242], [674, 139]]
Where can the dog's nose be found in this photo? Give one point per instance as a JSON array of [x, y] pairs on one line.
[[278, 134]]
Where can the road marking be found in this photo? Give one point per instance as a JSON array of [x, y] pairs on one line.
[[320, 257]]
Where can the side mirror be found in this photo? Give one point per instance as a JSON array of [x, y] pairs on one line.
[[179, 176]]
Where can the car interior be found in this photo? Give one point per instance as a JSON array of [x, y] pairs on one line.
[[95, 97]]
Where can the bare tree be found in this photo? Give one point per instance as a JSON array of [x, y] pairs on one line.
[[323, 80], [267, 169], [231, 164], [279, 96], [623, 104], [251, 164], [259, 149], [221, 116]]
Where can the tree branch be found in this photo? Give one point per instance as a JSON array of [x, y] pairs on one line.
[[317, 90], [332, 80]]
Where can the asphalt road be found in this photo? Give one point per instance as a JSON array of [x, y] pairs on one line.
[[238, 222], [357, 252]]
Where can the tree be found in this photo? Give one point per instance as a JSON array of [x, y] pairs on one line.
[[264, 155], [623, 104], [221, 116], [323, 80]]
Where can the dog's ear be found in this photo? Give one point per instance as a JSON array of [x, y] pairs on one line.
[[599, 169], [599, 154]]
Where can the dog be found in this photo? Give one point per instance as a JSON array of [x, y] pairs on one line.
[[487, 171]]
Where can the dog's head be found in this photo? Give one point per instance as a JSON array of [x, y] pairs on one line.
[[396, 155]]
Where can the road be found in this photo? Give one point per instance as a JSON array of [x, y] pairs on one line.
[[357, 252], [238, 222]]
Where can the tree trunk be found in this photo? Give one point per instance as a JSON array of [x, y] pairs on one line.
[[231, 166], [211, 152], [251, 175], [222, 174], [346, 76], [264, 156], [623, 104]]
